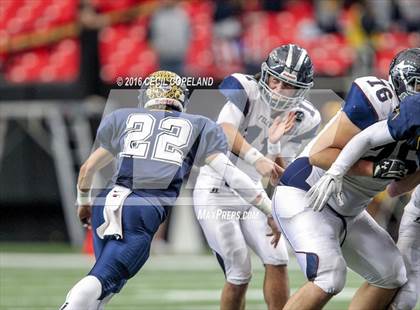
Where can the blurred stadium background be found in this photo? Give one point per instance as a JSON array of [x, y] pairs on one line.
[[59, 59]]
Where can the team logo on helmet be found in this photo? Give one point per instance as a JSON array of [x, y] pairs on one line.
[[405, 66], [404, 72]]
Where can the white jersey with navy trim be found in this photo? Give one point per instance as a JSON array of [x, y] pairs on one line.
[[246, 110], [369, 100], [415, 197]]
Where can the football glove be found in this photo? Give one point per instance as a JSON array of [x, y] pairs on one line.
[[329, 185], [394, 169]]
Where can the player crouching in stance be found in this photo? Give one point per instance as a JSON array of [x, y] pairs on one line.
[[343, 233], [156, 146], [402, 125], [266, 114]]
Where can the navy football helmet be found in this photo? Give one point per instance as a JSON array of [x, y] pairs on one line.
[[292, 65], [164, 89], [404, 72]]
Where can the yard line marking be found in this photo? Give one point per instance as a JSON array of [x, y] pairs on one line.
[[157, 262], [180, 295]]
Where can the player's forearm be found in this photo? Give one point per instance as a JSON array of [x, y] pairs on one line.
[[373, 136], [84, 181], [405, 185], [240, 182], [237, 142], [331, 140], [325, 158], [96, 161]]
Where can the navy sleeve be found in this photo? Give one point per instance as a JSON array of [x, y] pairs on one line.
[[212, 141], [106, 133], [359, 109], [234, 91], [404, 122]]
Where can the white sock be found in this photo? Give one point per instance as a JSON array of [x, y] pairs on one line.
[[84, 295], [103, 302]]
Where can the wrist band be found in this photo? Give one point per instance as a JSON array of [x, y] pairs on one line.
[[252, 156], [265, 205], [274, 148], [83, 198]]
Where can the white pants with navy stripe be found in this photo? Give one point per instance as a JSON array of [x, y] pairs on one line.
[[409, 245], [325, 243], [231, 225]]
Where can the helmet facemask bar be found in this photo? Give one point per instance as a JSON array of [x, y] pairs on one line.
[[285, 100], [162, 103], [406, 86], [413, 84]]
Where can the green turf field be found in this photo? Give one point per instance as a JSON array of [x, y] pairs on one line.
[[31, 281]]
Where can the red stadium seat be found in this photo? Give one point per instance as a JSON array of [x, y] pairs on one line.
[[199, 60], [124, 52], [388, 45], [57, 63], [19, 16], [264, 31], [112, 5]]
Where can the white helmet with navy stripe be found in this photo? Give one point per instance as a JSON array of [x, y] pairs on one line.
[[292, 65]]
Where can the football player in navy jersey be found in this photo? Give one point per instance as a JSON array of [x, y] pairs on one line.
[[156, 146], [343, 234], [402, 125]]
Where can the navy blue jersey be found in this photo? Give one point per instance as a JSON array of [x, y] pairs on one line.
[[156, 149], [404, 122]]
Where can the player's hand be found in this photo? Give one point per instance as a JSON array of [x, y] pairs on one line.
[[84, 212], [281, 126], [330, 185], [275, 232], [274, 178], [395, 169], [268, 168]]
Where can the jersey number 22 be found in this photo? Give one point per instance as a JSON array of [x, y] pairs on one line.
[[172, 136]]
